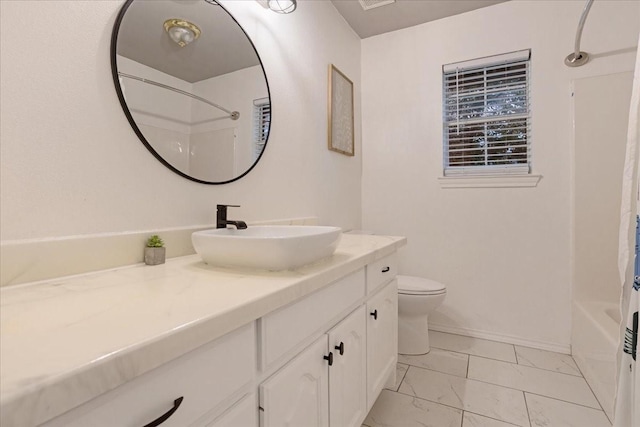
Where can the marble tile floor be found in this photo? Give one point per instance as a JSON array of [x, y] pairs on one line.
[[471, 382]]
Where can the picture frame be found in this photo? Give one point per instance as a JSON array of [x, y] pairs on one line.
[[341, 113]]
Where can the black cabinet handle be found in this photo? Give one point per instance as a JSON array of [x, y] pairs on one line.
[[329, 358], [384, 270], [374, 313], [165, 417], [340, 348]]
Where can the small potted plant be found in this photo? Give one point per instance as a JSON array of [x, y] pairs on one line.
[[154, 252]]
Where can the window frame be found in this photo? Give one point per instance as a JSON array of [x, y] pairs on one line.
[[261, 126], [471, 172]]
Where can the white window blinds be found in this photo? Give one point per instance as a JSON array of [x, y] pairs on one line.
[[487, 116], [261, 124]]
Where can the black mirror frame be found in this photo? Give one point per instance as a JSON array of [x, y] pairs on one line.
[[134, 126]]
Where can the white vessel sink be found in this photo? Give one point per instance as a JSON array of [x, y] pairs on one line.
[[270, 247]]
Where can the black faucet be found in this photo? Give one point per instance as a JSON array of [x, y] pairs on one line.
[[222, 221]]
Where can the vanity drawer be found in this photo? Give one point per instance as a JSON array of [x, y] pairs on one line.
[[288, 327], [381, 271], [204, 378]]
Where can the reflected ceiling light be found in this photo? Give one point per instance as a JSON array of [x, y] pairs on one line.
[[282, 6], [182, 32]]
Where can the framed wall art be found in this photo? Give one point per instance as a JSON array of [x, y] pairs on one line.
[[341, 128]]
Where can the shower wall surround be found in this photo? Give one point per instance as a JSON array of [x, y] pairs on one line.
[[72, 166], [504, 253]]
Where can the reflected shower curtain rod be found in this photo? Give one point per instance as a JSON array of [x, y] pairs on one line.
[[233, 115], [578, 58]]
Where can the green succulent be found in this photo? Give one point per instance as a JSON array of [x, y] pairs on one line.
[[155, 242]]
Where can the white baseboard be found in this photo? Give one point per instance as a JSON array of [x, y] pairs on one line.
[[509, 339]]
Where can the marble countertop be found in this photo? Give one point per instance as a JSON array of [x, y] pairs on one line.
[[66, 341]]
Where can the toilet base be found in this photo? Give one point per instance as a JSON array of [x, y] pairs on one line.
[[413, 335]]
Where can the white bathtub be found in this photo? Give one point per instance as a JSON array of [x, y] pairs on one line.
[[594, 343]]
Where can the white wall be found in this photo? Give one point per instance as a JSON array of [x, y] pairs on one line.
[[504, 253], [71, 165], [601, 111]]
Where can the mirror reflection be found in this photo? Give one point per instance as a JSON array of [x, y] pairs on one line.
[[192, 86]]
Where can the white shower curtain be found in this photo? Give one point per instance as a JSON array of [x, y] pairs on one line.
[[627, 408]]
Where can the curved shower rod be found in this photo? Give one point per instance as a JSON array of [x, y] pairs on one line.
[[233, 115], [577, 57]]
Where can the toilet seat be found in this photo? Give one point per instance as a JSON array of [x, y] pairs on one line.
[[411, 285]]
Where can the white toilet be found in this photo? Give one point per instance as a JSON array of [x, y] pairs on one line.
[[417, 297]]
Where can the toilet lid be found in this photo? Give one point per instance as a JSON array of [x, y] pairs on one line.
[[411, 285]]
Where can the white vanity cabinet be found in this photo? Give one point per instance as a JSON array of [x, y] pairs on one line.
[[382, 325], [336, 379], [298, 394], [382, 340], [242, 414], [301, 392], [199, 386], [348, 374], [319, 360], [329, 374]]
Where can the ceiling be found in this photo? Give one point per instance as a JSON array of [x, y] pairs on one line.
[[223, 47], [402, 13]]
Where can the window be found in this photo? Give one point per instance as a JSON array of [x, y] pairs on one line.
[[261, 125], [486, 116]]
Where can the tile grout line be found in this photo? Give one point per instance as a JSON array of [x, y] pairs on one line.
[[566, 401], [494, 341], [430, 401], [515, 353], [526, 405], [492, 418], [406, 362], [469, 354], [517, 362], [468, 360], [444, 404], [594, 395], [553, 352], [550, 397], [456, 408], [502, 360], [502, 386], [524, 394], [474, 338], [534, 367], [403, 377]]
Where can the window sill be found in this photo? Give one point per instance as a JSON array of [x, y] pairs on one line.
[[489, 181]]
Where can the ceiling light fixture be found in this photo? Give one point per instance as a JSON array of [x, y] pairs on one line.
[[372, 4], [282, 6], [182, 32]]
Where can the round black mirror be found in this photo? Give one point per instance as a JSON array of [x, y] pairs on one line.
[[192, 86]]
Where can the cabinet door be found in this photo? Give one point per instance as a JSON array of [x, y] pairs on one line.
[[382, 339], [348, 374], [243, 414], [298, 394]]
